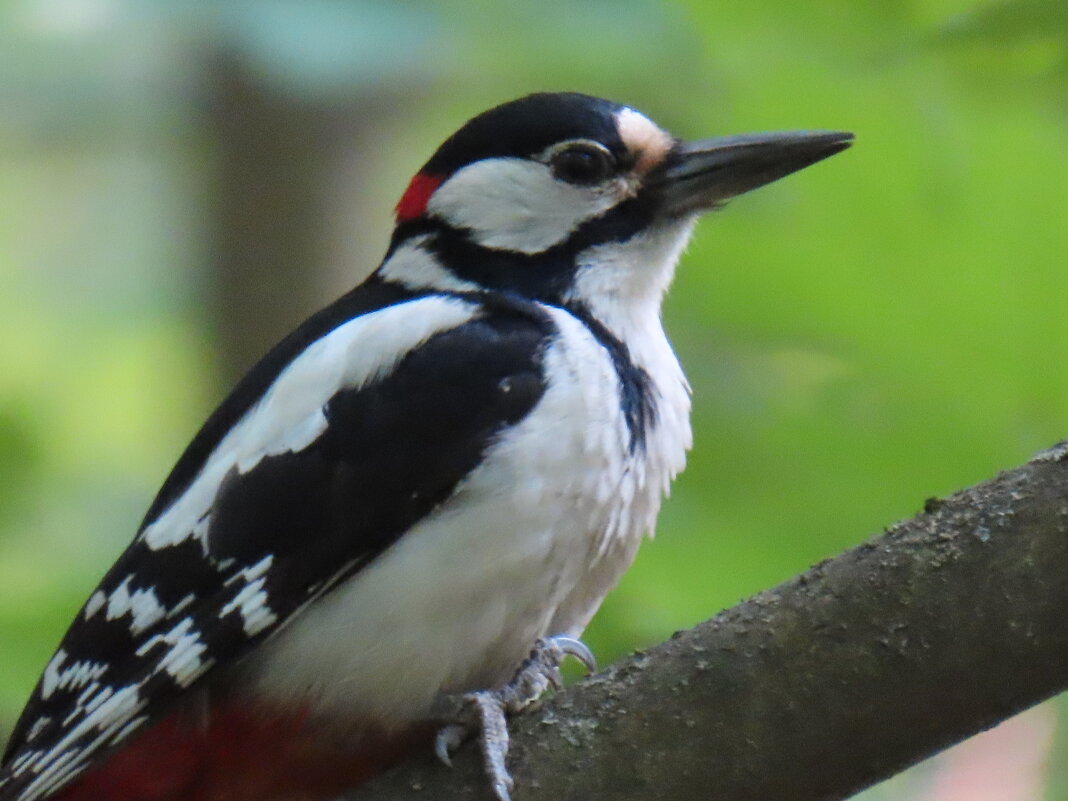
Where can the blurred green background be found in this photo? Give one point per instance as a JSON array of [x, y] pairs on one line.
[[182, 181]]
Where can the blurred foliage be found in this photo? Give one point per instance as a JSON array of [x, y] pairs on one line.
[[876, 330]]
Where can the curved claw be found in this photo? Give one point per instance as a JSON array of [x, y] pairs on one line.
[[570, 646]]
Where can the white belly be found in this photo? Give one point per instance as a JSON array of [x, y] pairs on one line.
[[527, 546]]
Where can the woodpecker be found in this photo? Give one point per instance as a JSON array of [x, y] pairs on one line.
[[444, 469]]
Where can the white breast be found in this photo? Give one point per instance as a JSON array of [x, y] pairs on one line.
[[528, 546]]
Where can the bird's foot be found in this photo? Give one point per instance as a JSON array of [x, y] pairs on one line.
[[484, 712]]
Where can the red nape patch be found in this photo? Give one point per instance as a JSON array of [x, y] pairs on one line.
[[238, 754], [417, 195]]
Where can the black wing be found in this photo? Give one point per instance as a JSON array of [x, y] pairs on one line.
[[276, 534]]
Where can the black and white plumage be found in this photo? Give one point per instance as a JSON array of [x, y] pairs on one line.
[[454, 459]]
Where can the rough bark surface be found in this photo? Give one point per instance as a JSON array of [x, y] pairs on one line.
[[863, 665]]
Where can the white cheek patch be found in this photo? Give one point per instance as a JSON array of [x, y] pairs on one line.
[[644, 138], [517, 204]]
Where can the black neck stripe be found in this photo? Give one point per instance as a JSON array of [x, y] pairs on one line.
[[637, 394]]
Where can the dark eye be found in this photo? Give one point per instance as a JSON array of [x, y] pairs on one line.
[[582, 163]]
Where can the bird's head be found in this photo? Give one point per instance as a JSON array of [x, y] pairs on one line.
[[563, 197]]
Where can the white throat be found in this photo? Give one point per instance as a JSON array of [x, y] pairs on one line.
[[623, 283]]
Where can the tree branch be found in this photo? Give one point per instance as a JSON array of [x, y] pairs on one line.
[[863, 665]]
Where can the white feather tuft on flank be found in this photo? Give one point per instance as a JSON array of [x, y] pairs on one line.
[[516, 204], [290, 416]]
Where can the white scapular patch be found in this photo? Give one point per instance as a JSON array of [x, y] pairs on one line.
[[70, 677], [289, 416], [184, 660], [516, 204], [251, 599], [416, 268], [141, 604]]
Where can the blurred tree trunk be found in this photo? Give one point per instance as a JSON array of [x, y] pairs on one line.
[[283, 167]]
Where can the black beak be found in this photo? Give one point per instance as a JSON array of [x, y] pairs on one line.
[[702, 175]]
